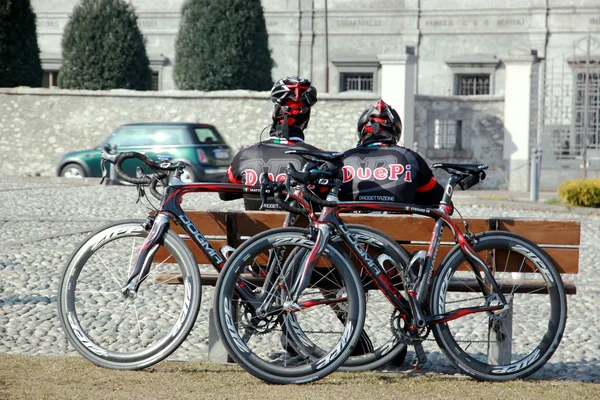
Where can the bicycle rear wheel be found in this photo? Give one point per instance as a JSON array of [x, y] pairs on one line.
[[128, 333], [506, 344], [328, 324]]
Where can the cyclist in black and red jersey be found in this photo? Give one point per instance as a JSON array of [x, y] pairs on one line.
[[379, 169], [293, 98]]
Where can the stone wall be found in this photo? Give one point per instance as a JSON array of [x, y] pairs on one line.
[[38, 126]]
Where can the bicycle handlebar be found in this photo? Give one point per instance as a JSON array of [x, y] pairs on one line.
[[118, 159], [152, 181]]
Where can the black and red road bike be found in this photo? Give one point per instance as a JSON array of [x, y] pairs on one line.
[[495, 303], [125, 305]]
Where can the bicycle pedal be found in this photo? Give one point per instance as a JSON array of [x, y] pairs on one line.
[[416, 364]]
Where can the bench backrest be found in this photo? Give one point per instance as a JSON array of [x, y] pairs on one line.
[[560, 239]]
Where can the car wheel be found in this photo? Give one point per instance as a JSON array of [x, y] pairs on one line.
[[188, 176], [72, 171]]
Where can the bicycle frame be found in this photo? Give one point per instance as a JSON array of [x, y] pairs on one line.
[[330, 220], [170, 209]]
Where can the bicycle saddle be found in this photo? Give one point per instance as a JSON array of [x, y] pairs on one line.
[[460, 169]]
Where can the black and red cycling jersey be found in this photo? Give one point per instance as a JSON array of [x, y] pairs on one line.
[[264, 157], [387, 172]]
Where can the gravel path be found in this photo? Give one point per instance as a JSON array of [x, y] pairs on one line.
[[43, 219]]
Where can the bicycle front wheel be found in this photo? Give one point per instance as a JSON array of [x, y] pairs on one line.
[[326, 320], [506, 344], [113, 331]]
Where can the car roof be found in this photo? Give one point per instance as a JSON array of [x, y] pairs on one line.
[[169, 124]]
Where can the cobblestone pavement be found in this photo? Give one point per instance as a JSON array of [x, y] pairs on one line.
[[43, 219]]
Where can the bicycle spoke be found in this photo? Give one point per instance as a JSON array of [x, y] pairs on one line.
[[108, 269]]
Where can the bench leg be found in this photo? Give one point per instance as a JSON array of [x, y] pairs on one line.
[[500, 337], [216, 351]]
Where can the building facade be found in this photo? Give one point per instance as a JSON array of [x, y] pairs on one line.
[[457, 49]]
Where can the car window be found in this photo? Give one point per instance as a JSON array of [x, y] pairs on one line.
[[169, 136], [208, 135], [128, 136]]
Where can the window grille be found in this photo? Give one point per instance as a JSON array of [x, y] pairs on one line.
[[447, 134], [473, 85], [155, 83], [587, 135], [363, 82]]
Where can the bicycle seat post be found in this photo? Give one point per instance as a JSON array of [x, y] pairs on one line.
[[452, 181]]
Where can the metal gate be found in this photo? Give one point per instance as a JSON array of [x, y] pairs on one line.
[[570, 106]]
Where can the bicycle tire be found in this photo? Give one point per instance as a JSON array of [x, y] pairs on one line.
[[484, 345], [255, 343], [118, 333]]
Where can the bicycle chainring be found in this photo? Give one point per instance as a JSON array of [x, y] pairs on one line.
[[400, 329], [255, 325]]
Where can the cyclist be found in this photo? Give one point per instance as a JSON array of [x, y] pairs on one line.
[[379, 169], [293, 98]]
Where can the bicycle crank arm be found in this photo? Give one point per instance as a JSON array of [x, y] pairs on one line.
[[420, 357]]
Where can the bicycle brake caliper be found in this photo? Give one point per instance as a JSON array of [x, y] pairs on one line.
[[149, 222]]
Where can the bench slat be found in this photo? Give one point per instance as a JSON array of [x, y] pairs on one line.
[[566, 260], [539, 231], [210, 223], [522, 286]]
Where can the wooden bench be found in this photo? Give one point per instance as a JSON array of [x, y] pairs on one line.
[[560, 239]]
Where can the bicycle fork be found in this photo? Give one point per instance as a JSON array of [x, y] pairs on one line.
[[303, 279], [159, 226]]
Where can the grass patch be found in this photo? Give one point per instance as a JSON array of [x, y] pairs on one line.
[[554, 201], [26, 377]]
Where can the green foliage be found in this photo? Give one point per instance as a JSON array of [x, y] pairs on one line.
[[103, 48], [19, 52], [222, 45], [581, 192]]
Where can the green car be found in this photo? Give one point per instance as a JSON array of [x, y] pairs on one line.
[[199, 146]]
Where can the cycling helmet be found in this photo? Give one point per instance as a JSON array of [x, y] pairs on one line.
[[379, 121], [293, 98]]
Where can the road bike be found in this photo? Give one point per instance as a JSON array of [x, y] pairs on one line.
[[488, 324], [120, 310]]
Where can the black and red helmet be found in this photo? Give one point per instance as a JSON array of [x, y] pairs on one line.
[[293, 98], [381, 121]]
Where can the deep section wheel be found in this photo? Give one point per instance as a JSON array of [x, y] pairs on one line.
[[276, 337], [513, 342], [128, 332]]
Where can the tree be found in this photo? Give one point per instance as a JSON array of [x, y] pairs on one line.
[[103, 48], [222, 45], [19, 52]]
